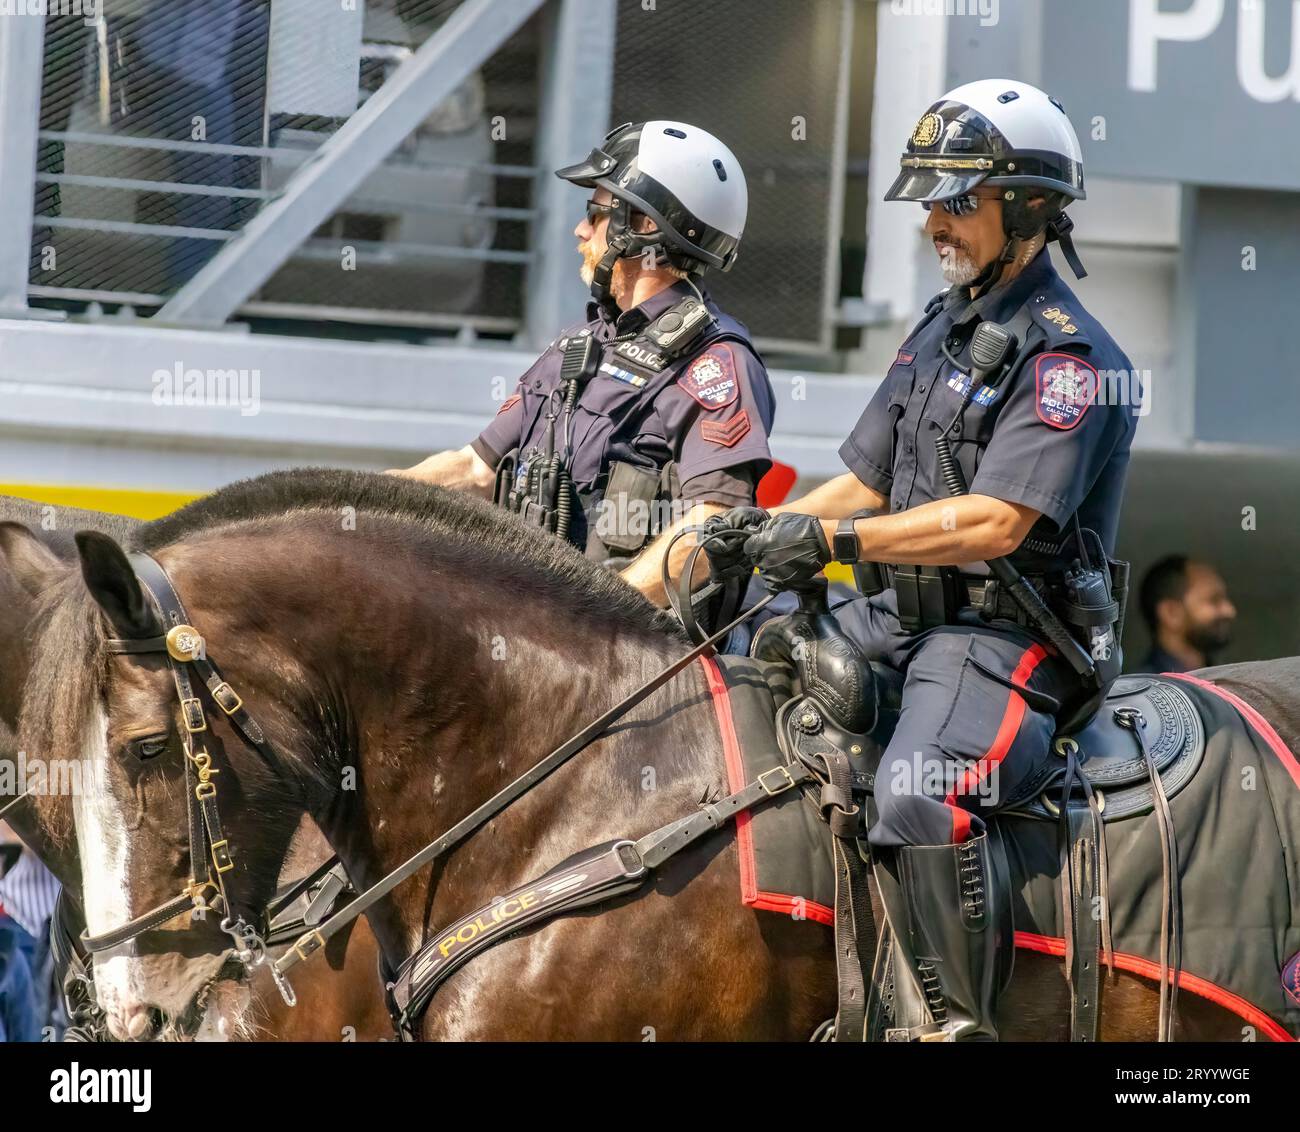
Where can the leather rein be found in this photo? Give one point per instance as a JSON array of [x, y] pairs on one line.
[[210, 855]]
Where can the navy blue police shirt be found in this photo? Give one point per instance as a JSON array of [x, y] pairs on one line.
[[1053, 435], [709, 412]]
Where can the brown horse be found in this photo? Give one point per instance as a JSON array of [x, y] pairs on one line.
[[408, 652], [33, 539]]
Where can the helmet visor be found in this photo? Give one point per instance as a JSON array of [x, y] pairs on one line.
[[597, 164], [929, 184]]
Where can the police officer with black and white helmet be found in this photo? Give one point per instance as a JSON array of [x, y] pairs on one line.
[[654, 412], [994, 451]]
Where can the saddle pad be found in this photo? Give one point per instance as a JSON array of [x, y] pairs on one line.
[[784, 847], [1237, 825]]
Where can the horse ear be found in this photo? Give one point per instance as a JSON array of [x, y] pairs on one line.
[[114, 586], [31, 563]]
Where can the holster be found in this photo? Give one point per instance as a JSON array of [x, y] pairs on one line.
[[623, 515], [927, 596]]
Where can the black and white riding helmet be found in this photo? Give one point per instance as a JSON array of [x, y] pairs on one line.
[[684, 179], [1004, 133]]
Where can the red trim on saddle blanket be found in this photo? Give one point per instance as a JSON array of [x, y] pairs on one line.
[[1195, 983], [750, 895], [1050, 945], [1251, 716]]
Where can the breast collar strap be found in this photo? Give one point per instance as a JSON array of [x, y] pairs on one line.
[[210, 856]]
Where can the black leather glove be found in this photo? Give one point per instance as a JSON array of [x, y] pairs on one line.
[[727, 557], [789, 550]]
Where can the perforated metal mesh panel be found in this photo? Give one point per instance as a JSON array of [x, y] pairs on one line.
[[440, 232], [169, 123], [750, 71], [148, 158]]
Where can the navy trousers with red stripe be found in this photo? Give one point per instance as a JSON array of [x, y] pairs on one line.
[[966, 739]]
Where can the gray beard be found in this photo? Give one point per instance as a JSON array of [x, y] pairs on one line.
[[958, 269]]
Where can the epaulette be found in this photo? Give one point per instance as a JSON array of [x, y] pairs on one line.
[[1058, 322]]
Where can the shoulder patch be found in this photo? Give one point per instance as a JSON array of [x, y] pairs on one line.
[[711, 378], [726, 433], [1291, 979], [1065, 387], [509, 403]]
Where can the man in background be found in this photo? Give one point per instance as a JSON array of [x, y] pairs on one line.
[[1186, 607], [27, 895]]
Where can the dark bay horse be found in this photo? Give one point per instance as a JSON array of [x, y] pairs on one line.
[[33, 538], [408, 652]]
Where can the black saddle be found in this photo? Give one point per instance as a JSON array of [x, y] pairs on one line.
[[1111, 760], [851, 706]]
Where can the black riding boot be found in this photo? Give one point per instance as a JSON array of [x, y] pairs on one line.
[[947, 916]]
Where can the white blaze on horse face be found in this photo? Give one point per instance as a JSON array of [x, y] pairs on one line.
[[105, 847], [127, 985]]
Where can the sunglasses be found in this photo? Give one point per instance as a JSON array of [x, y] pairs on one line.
[[595, 211], [965, 205]]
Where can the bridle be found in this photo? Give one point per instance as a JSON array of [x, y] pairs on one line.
[[210, 856]]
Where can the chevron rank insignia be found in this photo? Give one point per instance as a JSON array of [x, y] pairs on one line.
[[726, 433]]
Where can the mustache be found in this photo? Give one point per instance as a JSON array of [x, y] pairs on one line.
[[946, 237]]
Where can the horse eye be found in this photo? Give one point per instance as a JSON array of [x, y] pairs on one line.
[[149, 748]]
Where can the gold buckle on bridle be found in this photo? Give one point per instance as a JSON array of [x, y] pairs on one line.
[[298, 943]]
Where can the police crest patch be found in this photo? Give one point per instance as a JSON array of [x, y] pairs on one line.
[[509, 403], [1291, 979], [1065, 386], [711, 378]]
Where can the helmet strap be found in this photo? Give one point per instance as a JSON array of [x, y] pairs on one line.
[[987, 279], [623, 244], [1059, 229], [603, 276]]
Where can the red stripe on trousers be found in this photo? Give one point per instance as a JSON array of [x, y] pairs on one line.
[[1008, 729]]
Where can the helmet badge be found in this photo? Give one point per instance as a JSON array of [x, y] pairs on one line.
[[927, 130]]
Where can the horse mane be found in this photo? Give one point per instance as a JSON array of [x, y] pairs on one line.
[[69, 659], [497, 544], [66, 521]]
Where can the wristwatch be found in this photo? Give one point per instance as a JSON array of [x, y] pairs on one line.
[[845, 547]]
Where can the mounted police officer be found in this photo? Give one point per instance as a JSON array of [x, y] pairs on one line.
[[653, 414], [991, 462]]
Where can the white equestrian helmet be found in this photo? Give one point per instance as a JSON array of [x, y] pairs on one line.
[[679, 175]]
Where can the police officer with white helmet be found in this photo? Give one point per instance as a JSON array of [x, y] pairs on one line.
[[653, 413], [991, 453]]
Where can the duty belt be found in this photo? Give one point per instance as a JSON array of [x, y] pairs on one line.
[[937, 595]]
